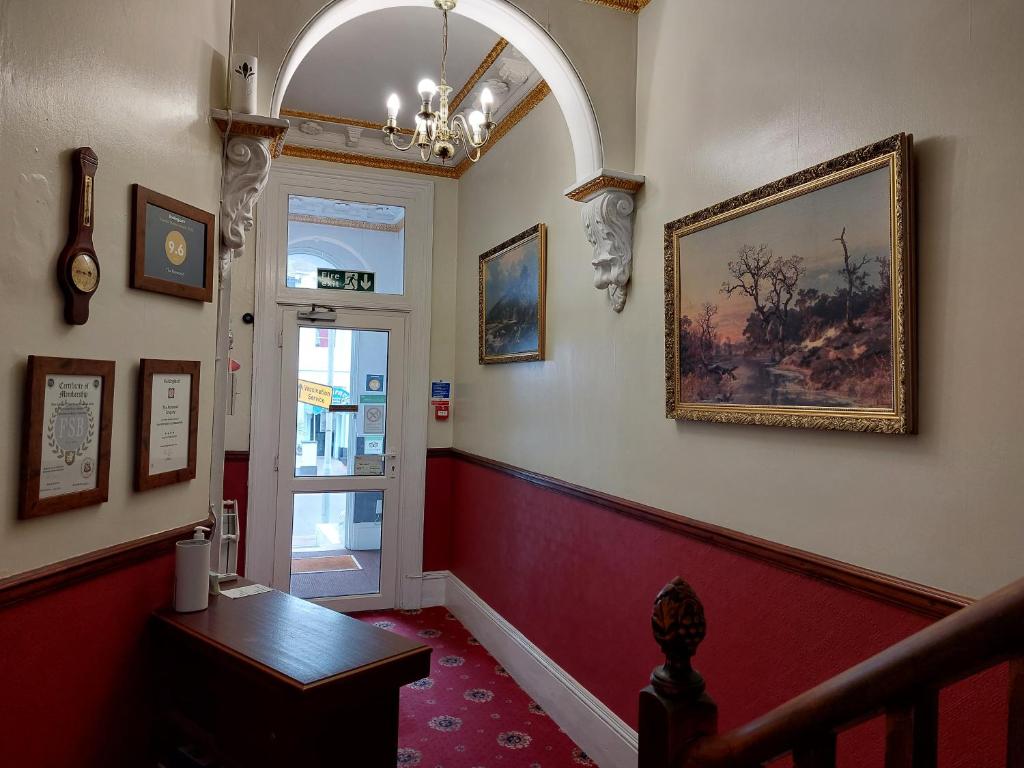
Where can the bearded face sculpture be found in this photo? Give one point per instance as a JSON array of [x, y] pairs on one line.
[[608, 221], [245, 175]]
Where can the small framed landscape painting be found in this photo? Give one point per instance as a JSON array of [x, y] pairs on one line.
[[513, 278], [794, 304]]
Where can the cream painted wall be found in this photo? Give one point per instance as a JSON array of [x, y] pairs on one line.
[[270, 28], [730, 96], [442, 309], [135, 81]]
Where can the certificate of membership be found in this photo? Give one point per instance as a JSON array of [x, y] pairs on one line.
[[169, 422], [71, 426]]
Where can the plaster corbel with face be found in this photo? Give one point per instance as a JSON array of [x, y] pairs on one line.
[[608, 206]]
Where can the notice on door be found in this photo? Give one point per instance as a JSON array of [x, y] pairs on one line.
[[312, 393], [373, 420]]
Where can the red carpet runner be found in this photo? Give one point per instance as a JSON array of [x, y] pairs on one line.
[[469, 713]]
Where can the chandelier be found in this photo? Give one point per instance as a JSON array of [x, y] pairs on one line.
[[434, 134]]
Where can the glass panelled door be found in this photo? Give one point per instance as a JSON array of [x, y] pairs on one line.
[[338, 463]]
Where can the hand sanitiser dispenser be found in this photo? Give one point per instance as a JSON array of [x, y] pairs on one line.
[[192, 572]]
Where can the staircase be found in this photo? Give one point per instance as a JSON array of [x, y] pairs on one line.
[[678, 719]]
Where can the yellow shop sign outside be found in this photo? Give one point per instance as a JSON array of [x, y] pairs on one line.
[[312, 393]]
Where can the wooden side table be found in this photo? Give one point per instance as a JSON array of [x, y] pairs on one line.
[[272, 680]]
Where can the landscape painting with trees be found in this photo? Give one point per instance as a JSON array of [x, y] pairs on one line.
[[790, 305]]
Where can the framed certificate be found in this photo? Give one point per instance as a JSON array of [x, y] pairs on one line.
[[172, 246], [65, 440], [167, 421]]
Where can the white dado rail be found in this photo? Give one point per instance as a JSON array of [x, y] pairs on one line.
[[608, 206], [251, 144]]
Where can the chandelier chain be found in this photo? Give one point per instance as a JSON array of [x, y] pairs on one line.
[[444, 44]]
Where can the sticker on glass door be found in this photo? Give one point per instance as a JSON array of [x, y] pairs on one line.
[[340, 421]]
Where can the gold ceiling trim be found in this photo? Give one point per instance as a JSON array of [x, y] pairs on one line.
[[629, 6], [370, 161], [521, 110], [486, 64], [332, 221], [339, 119], [585, 191]]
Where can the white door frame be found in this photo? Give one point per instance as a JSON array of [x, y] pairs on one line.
[[395, 325], [326, 180]]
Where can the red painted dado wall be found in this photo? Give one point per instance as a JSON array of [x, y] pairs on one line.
[[236, 486], [578, 579], [73, 671]]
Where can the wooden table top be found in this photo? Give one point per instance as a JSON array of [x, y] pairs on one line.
[[302, 644]]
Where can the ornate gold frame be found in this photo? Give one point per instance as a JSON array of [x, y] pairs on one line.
[[895, 152], [540, 231]]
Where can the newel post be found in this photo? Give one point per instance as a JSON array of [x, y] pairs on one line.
[[675, 710]]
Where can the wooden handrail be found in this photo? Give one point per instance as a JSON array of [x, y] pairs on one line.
[[677, 721]]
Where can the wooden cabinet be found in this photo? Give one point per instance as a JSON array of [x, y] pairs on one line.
[[272, 680]]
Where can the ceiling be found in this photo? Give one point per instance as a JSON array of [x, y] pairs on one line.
[[344, 210], [336, 99]]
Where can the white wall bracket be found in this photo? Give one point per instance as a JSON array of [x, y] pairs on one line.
[[608, 206], [251, 143]]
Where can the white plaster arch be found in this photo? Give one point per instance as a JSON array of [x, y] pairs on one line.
[[501, 16]]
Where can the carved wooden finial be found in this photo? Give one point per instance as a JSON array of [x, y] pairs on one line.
[[679, 627]]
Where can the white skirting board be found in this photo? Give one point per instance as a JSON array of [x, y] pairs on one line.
[[596, 729], [434, 586]]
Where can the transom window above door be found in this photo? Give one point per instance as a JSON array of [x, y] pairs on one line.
[[345, 245]]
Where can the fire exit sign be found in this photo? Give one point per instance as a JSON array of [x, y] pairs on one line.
[[345, 280]]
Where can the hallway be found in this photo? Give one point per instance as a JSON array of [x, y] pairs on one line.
[[469, 713]]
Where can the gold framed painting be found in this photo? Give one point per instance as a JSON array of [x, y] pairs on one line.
[[513, 288], [794, 304]]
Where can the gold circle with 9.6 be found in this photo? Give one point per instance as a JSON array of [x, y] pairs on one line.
[[84, 272], [174, 247]]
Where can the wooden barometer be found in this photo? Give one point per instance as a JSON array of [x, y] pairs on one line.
[[78, 268]]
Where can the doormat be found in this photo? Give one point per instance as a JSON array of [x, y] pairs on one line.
[[319, 564]]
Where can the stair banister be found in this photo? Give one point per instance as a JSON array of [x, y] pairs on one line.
[[678, 718]]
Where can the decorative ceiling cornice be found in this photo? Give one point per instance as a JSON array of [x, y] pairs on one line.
[[521, 110], [339, 119], [486, 64], [331, 221], [370, 161], [629, 6]]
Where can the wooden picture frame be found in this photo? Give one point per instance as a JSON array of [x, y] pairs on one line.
[[68, 413], [179, 450], [175, 230], [518, 335], [794, 304]]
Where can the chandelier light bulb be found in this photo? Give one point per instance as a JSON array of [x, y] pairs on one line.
[[438, 133], [427, 88]]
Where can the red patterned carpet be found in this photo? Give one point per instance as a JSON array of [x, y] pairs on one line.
[[469, 713]]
